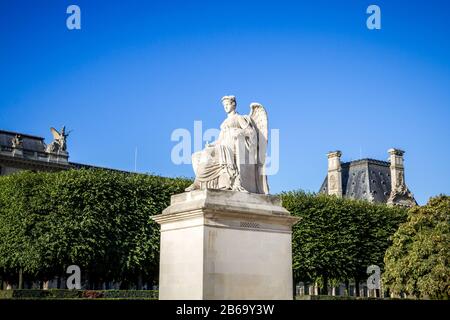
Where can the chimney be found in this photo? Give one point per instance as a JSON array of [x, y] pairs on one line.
[[334, 173], [397, 170]]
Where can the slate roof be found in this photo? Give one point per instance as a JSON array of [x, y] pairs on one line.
[[30, 143], [365, 179]]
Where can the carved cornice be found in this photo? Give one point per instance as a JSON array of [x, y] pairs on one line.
[[32, 164]]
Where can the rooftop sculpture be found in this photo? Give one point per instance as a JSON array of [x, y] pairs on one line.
[[59, 143]]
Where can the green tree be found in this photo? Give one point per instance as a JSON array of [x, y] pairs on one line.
[[337, 239], [23, 209], [417, 263], [99, 220]]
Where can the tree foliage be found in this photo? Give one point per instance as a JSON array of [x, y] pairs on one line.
[[337, 239], [99, 220], [417, 263]]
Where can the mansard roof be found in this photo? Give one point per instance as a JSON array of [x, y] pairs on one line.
[[30, 143], [365, 179]]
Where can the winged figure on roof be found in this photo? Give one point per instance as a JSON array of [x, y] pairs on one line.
[[59, 143]]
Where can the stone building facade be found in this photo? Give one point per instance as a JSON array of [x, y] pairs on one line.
[[20, 151], [26, 152], [368, 179]]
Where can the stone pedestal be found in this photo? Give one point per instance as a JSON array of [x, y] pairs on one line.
[[225, 245]]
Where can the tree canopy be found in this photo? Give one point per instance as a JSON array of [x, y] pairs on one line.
[[417, 264], [99, 220], [337, 239]]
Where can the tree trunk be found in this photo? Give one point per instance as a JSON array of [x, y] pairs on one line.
[[325, 285], [139, 282], [294, 293], [20, 279], [356, 287]]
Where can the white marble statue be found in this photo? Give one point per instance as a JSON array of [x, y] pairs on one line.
[[236, 161]]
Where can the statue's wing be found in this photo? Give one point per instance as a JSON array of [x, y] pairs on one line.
[[259, 117], [55, 133]]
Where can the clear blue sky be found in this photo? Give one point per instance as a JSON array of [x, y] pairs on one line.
[[137, 70]]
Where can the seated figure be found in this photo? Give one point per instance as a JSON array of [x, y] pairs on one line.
[[236, 161]]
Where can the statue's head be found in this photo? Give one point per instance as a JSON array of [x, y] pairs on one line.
[[229, 103]]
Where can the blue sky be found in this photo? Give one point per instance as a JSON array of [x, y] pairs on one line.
[[137, 70]]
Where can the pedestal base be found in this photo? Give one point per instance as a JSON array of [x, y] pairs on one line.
[[225, 245]]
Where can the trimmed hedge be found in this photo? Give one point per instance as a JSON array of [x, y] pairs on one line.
[[79, 294], [97, 219], [6, 294], [131, 294], [337, 238], [327, 297]]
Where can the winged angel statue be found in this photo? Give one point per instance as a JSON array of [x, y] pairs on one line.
[[236, 160], [59, 140]]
